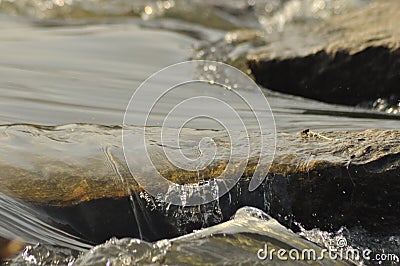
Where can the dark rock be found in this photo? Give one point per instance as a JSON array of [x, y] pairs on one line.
[[351, 59], [77, 175]]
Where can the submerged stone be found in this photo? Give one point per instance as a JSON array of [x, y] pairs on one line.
[[77, 176], [351, 59]]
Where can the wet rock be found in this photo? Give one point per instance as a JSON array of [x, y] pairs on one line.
[[77, 175], [350, 59], [9, 248], [349, 178]]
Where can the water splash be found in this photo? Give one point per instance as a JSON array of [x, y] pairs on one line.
[[185, 218], [390, 105], [236, 240], [274, 15], [45, 255], [270, 15]]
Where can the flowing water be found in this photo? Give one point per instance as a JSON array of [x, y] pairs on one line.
[[68, 69]]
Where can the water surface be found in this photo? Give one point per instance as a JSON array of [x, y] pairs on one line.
[[68, 62]]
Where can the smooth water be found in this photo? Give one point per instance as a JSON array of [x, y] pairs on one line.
[[65, 62]]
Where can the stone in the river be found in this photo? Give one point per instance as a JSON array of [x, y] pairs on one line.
[[9, 248], [350, 59], [77, 175]]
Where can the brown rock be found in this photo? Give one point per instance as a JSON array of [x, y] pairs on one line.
[[77, 175], [9, 248]]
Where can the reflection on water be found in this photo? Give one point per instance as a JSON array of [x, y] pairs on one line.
[[83, 74], [88, 74]]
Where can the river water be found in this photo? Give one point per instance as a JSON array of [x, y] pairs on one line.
[[69, 69]]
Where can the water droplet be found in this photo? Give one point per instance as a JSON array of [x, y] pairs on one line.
[[148, 10], [167, 4]]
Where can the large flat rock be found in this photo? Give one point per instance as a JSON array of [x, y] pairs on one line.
[[77, 175], [350, 59]]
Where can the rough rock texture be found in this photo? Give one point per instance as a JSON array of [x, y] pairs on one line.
[[77, 175], [350, 59]]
